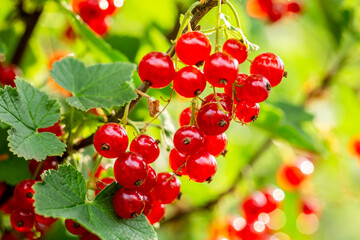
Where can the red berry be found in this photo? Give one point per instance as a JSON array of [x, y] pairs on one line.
[[89, 236], [185, 117], [130, 170], [166, 189], [10, 205], [128, 203], [24, 193], [111, 140], [55, 129], [99, 26], [215, 145], [91, 10], [256, 88], [148, 203], [201, 166], [157, 213], [239, 93], [193, 47], [270, 66], [22, 220], [253, 205], [45, 220], [274, 197], [225, 101], [247, 111], [277, 11], [150, 181], [102, 184], [49, 163], [188, 140], [146, 146], [7, 75], [157, 68], [74, 227], [177, 161], [220, 69], [10, 236], [113, 5], [294, 7], [189, 82], [309, 206], [294, 175], [236, 49], [211, 120]]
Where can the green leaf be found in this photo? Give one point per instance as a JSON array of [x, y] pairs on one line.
[[26, 109], [2, 48], [97, 86], [98, 44], [62, 194]]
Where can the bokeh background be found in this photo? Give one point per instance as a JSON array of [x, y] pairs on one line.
[[314, 112]]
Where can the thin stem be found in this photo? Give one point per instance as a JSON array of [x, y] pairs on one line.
[[217, 45], [193, 107], [218, 102], [233, 9], [37, 170], [68, 140], [125, 117], [133, 125], [96, 166]]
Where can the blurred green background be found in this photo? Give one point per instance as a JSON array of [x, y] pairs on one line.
[[321, 44]]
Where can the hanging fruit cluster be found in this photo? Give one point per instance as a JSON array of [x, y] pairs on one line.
[[272, 10], [96, 13]]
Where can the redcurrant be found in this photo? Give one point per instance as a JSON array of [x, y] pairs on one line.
[[150, 181], [157, 213], [274, 196], [55, 129], [148, 203], [185, 117], [22, 220], [128, 203], [236, 49], [7, 75], [188, 140], [247, 111], [220, 70], [45, 220], [157, 68], [167, 188], [211, 120], [177, 162], [103, 183], [99, 25], [74, 227], [193, 48], [237, 91], [89, 236], [293, 7], [49, 163], [201, 166], [215, 145], [90, 10], [270, 66], [256, 88], [111, 140], [10, 205], [24, 193], [253, 205], [146, 146], [130, 170], [189, 82], [225, 101]]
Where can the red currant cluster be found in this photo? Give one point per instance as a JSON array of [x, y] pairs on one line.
[[8, 74], [272, 10], [96, 12], [143, 190], [202, 133]]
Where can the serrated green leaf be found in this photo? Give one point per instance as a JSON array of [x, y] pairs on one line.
[[97, 86], [26, 109], [62, 194], [98, 44]]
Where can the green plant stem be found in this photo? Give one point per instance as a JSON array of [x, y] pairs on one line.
[[125, 117], [133, 125], [233, 9], [193, 106], [37, 170], [96, 166], [68, 140], [217, 36]]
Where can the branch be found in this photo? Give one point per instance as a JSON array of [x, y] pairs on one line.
[[198, 13]]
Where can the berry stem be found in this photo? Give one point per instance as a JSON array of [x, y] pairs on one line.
[[217, 45], [193, 116], [233, 9], [124, 120], [133, 125], [217, 101], [37, 170], [68, 140], [89, 180]]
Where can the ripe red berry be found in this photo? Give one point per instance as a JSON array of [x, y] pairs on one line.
[[253, 205], [239, 93], [220, 69], [10, 205], [7, 75], [128, 203], [45, 220], [130, 170], [215, 145], [89, 236], [274, 197], [185, 117], [294, 7], [247, 112], [22, 220], [157, 68], [99, 26], [193, 48], [166, 189], [256, 88], [211, 120], [188, 140], [236, 49], [111, 140], [225, 101], [291, 176], [157, 213], [74, 227], [177, 161], [146, 146], [103, 183], [55, 129], [90, 10], [309, 206], [270, 66], [150, 181], [201, 166], [49, 163], [189, 82], [24, 193], [148, 203]]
